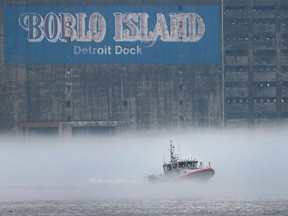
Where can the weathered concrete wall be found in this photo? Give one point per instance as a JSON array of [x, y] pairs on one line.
[[144, 96], [255, 40]]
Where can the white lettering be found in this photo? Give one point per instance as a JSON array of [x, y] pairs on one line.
[[128, 51], [184, 27], [129, 27], [106, 50], [63, 27]]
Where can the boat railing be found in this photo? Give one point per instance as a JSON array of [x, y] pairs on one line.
[[189, 165]]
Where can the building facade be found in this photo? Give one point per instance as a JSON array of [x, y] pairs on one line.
[[255, 62], [247, 84]]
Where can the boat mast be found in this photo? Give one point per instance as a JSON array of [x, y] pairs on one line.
[[173, 158]]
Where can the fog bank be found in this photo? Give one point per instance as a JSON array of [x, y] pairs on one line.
[[249, 164]]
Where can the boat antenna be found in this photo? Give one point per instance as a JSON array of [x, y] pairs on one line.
[[179, 149], [172, 156]]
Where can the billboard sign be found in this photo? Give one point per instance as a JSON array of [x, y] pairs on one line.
[[112, 35]]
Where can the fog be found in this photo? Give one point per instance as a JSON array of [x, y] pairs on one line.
[[249, 164]]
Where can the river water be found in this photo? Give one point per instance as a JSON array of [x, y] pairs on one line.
[[145, 207]]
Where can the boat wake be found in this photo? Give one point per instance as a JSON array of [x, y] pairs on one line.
[[97, 180]]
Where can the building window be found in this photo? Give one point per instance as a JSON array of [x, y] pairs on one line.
[[264, 21], [264, 84], [68, 87], [236, 52], [284, 21], [236, 37], [265, 115], [284, 36], [236, 100], [180, 86], [284, 52], [236, 84], [235, 7], [125, 103], [236, 68], [261, 68], [263, 7], [68, 104], [265, 100], [264, 37], [283, 7], [284, 68], [236, 115], [236, 21], [264, 52], [284, 83], [181, 118]]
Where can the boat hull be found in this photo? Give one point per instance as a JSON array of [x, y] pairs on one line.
[[183, 175], [199, 174]]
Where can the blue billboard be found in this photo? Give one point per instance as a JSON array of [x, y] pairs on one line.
[[112, 35]]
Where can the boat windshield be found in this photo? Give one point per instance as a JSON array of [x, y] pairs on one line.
[[190, 164], [167, 167]]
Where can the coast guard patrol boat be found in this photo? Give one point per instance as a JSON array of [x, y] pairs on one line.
[[182, 169]]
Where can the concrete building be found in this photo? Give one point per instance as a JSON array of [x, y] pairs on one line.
[[256, 62], [248, 86]]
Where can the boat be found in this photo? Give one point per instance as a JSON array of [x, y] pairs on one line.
[[182, 169]]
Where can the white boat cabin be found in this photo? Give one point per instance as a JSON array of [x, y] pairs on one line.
[[181, 164]]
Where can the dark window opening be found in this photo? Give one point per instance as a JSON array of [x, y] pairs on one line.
[[266, 21], [265, 115], [237, 115], [261, 68], [264, 37], [284, 36], [265, 100], [284, 68], [236, 68], [236, 100], [68, 87], [181, 118], [263, 7], [284, 83], [264, 84], [284, 52], [125, 103], [284, 115], [283, 7], [235, 7], [236, 21], [236, 84], [264, 52], [236, 52], [284, 21], [68, 104], [236, 37]]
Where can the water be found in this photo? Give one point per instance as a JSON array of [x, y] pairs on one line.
[[145, 207]]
